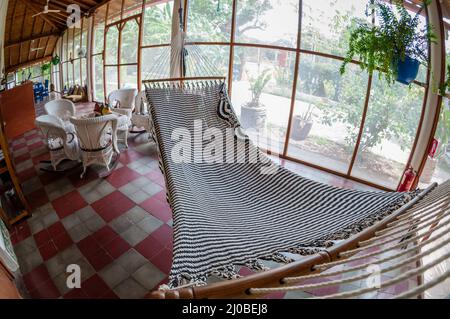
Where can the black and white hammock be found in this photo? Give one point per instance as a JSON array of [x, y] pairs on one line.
[[236, 214]]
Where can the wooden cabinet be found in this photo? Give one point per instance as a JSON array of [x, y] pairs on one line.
[[17, 110], [13, 205], [8, 289]]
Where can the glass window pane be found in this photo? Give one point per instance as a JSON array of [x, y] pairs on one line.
[[99, 32], [70, 74], [65, 78], [389, 131], [99, 28], [328, 112], [70, 54], [128, 76], [77, 42], [112, 83], [114, 10], [155, 63], [157, 23], [130, 42], [98, 78], [64, 55], [271, 22], [207, 60], [77, 71], [209, 21], [131, 7], [84, 72], [437, 169], [84, 38], [257, 94], [112, 42], [324, 24]]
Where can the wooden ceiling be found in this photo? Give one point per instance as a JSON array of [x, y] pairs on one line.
[[24, 32]]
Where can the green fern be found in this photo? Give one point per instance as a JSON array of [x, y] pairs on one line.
[[396, 35]]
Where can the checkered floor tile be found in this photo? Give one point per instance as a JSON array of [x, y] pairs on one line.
[[116, 229]]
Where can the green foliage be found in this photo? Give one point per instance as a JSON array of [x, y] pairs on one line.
[[130, 45], [158, 24], [443, 132], [381, 47], [56, 60], [257, 86], [45, 68]]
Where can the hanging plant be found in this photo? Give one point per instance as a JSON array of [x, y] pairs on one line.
[[45, 67], [396, 46], [56, 60]]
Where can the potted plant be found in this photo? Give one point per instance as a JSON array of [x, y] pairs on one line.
[[302, 124], [253, 114], [55, 60], [396, 46]]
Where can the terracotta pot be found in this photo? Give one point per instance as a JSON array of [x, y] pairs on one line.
[[253, 117], [300, 128]]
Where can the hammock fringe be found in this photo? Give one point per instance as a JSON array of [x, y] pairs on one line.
[[256, 265]]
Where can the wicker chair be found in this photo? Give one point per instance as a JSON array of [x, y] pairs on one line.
[[61, 142], [97, 137], [63, 109], [122, 102], [141, 117]]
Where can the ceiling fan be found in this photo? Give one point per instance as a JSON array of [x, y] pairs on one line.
[[46, 10], [36, 49]]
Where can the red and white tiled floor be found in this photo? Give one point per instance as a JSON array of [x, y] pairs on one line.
[[117, 229]]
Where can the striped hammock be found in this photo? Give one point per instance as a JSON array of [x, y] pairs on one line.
[[240, 212]]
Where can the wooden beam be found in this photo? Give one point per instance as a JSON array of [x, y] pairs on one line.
[[92, 10], [83, 6], [39, 43], [32, 31], [21, 34], [13, 68], [31, 38], [12, 21], [34, 8]]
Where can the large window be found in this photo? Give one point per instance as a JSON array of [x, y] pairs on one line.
[[352, 124], [328, 112], [271, 22], [262, 89], [437, 166], [98, 85], [74, 53], [282, 60]]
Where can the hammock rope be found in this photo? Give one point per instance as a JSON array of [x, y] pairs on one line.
[[398, 237], [412, 254], [256, 291], [183, 56]]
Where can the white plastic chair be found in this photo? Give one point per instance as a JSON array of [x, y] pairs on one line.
[[63, 109], [97, 137], [61, 142], [141, 117]]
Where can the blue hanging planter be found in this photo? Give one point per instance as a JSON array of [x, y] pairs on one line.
[[407, 70]]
